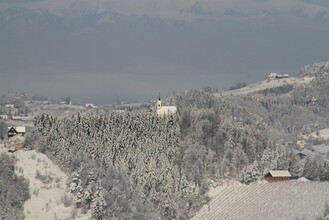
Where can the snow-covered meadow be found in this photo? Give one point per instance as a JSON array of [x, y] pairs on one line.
[[281, 200]]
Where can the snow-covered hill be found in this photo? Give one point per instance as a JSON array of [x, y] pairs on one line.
[[282, 200], [266, 84]]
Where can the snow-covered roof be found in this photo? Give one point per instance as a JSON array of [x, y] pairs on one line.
[[280, 173], [18, 129]]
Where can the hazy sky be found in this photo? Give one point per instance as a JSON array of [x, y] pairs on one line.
[[103, 50]]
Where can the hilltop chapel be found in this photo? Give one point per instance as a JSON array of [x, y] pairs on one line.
[[164, 110]]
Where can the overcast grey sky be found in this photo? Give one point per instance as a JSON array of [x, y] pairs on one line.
[[103, 50]]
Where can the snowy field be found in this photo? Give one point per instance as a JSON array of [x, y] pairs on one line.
[[266, 84], [322, 149], [320, 134], [282, 200], [15, 123], [59, 110], [48, 192], [324, 133]]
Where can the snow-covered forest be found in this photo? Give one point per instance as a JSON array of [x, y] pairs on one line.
[[124, 165], [137, 165]]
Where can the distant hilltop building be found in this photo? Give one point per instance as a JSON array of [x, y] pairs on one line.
[[10, 106], [89, 105], [164, 110], [278, 76]]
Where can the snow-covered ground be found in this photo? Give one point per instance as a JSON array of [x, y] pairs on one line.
[[323, 133], [28, 123], [322, 149], [59, 110], [48, 195], [282, 200], [266, 84], [217, 186]]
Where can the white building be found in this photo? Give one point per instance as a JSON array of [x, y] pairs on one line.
[[16, 117], [9, 106], [4, 116], [277, 76], [164, 110], [90, 105]]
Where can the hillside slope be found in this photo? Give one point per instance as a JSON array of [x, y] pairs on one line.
[[282, 200], [266, 84], [47, 183]]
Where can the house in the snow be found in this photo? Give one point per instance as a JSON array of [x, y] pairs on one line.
[[164, 110], [17, 118], [13, 131], [10, 106], [278, 175], [3, 116]]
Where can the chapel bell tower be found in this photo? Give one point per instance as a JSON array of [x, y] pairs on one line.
[[159, 105]]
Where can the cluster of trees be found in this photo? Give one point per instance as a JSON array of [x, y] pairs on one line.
[[316, 69], [227, 138], [256, 129], [238, 85], [130, 163], [14, 190], [3, 129]]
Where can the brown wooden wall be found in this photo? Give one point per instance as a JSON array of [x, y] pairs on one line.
[[277, 179]]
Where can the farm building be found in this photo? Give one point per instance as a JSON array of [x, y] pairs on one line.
[[10, 106], [3, 116], [17, 118], [278, 175], [13, 131]]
